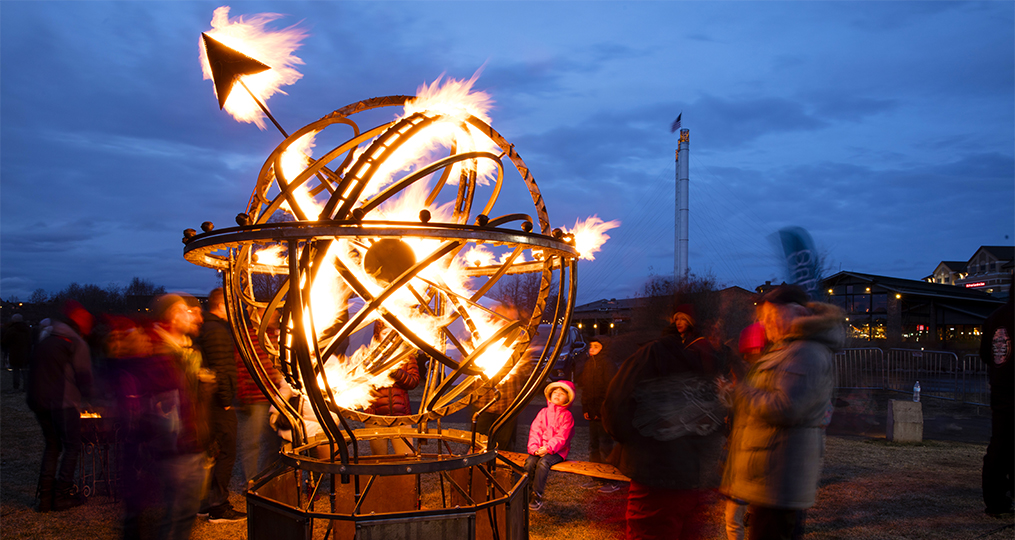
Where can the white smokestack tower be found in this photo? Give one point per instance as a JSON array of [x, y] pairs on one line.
[[680, 236]]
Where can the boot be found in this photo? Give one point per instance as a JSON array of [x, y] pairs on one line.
[[66, 496], [44, 494]]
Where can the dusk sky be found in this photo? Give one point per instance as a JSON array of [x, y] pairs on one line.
[[886, 129]]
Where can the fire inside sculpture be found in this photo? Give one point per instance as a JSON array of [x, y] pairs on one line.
[[381, 251]]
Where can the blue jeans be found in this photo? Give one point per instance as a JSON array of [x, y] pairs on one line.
[[255, 434], [538, 469], [183, 478]]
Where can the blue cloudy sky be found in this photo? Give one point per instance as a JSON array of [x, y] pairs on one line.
[[886, 129]]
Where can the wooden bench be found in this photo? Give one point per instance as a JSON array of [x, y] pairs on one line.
[[584, 468]]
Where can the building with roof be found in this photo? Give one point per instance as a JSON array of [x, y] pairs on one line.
[[614, 316], [947, 272], [604, 317], [988, 270], [896, 310]]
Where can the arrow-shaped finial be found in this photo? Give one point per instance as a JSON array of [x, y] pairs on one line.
[[227, 66]]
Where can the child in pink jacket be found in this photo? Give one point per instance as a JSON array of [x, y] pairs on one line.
[[549, 437]]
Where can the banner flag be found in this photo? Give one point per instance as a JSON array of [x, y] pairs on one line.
[[802, 265]]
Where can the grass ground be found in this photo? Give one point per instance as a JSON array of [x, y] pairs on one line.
[[870, 489]]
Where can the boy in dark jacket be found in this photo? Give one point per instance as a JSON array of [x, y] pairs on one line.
[[594, 379]]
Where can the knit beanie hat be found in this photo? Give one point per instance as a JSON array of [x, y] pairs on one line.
[[686, 312], [160, 305], [78, 315], [566, 386]]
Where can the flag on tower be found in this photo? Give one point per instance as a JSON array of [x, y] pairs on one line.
[[676, 123]]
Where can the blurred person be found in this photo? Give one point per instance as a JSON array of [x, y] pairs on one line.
[[664, 411], [59, 384], [549, 437], [392, 400], [256, 438], [998, 478], [781, 410], [179, 400], [135, 379], [17, 345], [751, 346], [218, 354], [684, 320]]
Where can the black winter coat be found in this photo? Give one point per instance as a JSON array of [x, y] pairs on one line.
[[218, 353], [594, 380], [654, 449]]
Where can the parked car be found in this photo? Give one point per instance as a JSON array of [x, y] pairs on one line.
[[572, 354]]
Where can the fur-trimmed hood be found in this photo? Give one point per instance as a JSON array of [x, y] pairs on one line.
[[824, 324]]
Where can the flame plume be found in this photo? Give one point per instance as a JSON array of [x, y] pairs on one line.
[[590, 235], [274, 48]]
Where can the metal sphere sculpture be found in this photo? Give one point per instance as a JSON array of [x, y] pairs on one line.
[[368, 272], [346, 269], [375, 267]]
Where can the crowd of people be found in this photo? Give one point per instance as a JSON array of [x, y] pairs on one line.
[[686, 418], [179, 394]]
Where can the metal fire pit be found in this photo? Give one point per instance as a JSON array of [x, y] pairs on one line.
[[100, 438], [454, 485]]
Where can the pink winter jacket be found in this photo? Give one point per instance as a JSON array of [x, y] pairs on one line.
[[553, 428]]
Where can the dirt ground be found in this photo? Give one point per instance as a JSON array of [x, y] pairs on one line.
[[870, 488]]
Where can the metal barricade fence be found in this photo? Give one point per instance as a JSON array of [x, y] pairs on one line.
[[975, 387], [860, 369], [937, 371], [941, 373]]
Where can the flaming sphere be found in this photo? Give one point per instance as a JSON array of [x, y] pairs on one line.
[[384, 250]]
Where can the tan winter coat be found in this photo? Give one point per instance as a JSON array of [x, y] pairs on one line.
[[781, 410]]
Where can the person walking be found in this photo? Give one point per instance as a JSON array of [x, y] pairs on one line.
[[780, 412], [179, 399], [59, 384]]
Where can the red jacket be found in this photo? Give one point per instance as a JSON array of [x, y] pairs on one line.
[[247, 391], [394, 400]]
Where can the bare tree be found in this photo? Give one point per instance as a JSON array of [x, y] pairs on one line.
[[520, 291], [38, 296]]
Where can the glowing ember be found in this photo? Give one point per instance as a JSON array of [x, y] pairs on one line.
[[590, 235], [273, 48]]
